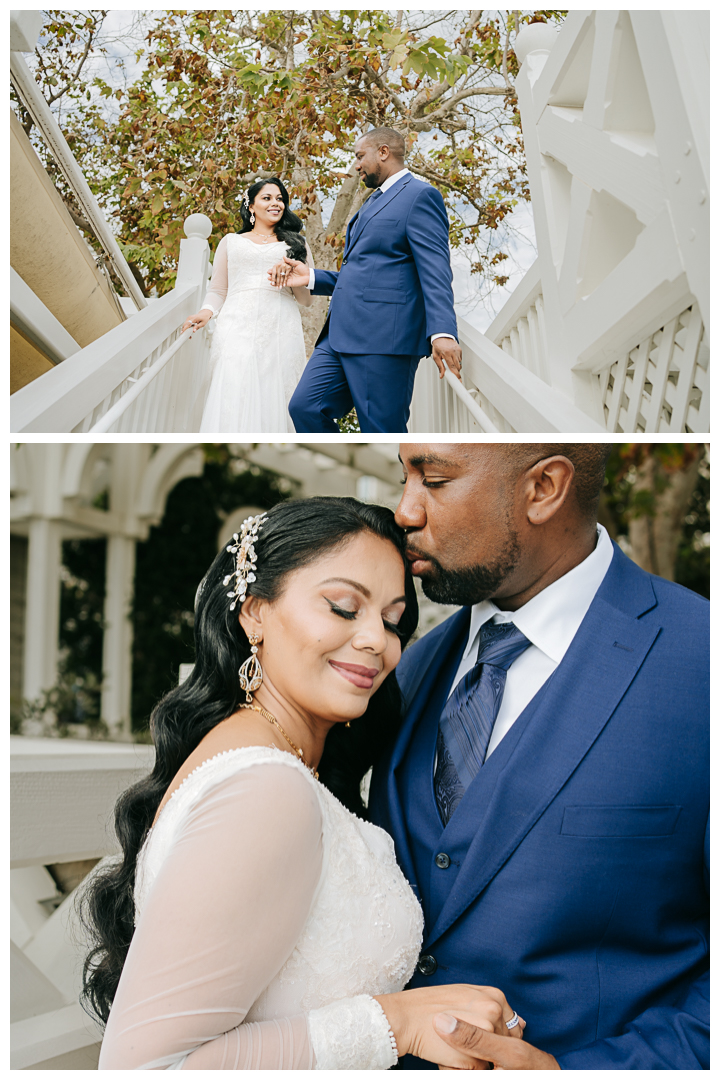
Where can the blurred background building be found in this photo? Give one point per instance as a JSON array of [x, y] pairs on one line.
[[108, 544]]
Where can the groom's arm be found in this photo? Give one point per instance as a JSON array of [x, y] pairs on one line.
[[427, 231], [322, 282]]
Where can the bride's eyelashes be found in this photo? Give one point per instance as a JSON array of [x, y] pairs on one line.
[[340, 611], [392, 627]]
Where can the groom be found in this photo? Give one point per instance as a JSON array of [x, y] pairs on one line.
[[548, 792], [392, 299]]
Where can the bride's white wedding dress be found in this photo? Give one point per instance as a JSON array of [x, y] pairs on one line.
[[267, 918], [258, 352]]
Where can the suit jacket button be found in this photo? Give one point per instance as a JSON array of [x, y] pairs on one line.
[[442, 861], [344, 261], [427, 965]]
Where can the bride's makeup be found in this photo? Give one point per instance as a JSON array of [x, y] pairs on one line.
[[332, 637]]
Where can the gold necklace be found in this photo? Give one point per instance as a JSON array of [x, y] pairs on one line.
[[298, 752]]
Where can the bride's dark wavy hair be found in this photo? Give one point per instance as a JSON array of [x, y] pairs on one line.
[[288, 227], [294, 535]]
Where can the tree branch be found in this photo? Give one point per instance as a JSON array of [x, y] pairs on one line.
[[341, 210], [438, 178]]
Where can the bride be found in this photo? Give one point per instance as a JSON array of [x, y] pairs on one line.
[[258, 351], [255, 919]]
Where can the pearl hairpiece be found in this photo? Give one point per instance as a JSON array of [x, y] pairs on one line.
[[245, 558]]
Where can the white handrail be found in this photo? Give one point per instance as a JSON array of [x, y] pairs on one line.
[[116, 411], [35, 103], [469, 402]]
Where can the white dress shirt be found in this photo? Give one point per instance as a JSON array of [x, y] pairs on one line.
[[549, 621], [385, 186]]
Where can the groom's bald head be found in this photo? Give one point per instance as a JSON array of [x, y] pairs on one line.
[[498, 520], [385, 136]]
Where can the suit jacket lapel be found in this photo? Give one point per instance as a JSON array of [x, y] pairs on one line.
[[417, 688], [548, 742], [384, 200]]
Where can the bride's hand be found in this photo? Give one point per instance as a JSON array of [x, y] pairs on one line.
[[196, 322], [289, 272], [411, 1012]]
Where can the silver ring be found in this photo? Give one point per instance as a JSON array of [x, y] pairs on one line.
[[510, 1024]]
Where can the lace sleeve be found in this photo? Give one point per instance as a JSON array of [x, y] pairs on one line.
[[215, 296], [220, 919]]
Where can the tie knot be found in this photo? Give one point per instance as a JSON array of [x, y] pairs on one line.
[[501, 644]]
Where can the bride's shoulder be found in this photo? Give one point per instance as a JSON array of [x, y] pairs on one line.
[[233, 746], [242, 774]]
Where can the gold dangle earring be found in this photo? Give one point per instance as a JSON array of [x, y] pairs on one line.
[[250, 673]]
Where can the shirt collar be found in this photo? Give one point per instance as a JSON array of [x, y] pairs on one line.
[[552, 618], [394, 179]]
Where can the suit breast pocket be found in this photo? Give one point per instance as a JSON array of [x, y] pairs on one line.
[[619, 821]]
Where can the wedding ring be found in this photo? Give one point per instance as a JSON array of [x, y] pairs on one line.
[[510, 1024]]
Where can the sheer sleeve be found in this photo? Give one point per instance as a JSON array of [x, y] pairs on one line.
[[220, 920], [222, 916], [215, 296], [302, 292]]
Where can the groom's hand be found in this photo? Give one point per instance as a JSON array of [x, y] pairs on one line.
[[289, 272], [444, 348], [484, 1046]]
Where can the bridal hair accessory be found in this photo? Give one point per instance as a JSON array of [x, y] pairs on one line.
[[245, 201], [250, 673], [245, 558]]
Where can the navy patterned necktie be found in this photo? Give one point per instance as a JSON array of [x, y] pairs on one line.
[[363, 209], [470, 713], [376, 194]]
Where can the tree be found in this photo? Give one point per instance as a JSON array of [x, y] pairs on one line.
[[228, 96], [658, 496]]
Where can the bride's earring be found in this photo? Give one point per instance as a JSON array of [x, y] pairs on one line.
[[250, 673], [252, 218]]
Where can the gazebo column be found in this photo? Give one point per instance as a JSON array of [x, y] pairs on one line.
[[117, 636], [42, 610]]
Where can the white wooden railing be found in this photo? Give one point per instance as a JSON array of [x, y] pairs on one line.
[[136, 378], [504, 396], [62, 796], [613, 316]]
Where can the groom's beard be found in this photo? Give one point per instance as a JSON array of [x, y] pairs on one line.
[[471, 584], [371, 180]]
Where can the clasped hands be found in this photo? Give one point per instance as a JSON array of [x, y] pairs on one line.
[[461, 1027], [291, 272]]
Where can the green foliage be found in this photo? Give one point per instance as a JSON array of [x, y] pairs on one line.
[[349, 423], [73, 701], [229, 95]]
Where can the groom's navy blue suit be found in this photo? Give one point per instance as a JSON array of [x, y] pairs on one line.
[[577, 881], [392, 293]]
